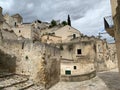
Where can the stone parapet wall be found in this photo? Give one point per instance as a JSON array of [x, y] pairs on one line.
[[77, 78]]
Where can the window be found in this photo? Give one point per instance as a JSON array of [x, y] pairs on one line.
[[79, 51], [68, 72], [75, 67], [15, 24], [19, 31], [74, 35], [26, 57]]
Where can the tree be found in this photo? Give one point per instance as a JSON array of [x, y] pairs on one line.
[[64, 23], [53, 23], [69, 21]]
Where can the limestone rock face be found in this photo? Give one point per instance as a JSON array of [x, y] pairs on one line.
[[39, 61]]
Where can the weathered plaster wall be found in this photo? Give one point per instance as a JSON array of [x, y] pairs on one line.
[[69, 50], [106, 55], [113, 61], [68, 33], [81, 68], [78, 64]]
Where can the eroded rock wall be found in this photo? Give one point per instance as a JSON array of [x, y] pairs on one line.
[[37, 60]]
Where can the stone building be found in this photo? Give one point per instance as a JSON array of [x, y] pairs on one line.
[[77, 61], [69, 32], [26, 30], [115, 29], [103, 52], [13, 20], [18, 18]]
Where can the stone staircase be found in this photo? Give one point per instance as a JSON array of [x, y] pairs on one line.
[[10, 81]]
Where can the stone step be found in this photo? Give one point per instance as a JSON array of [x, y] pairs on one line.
[[10, 81], [14, 80], [21, 86], [36, 87], [5, 74]]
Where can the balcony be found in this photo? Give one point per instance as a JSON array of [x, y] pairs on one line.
[[109, 26]]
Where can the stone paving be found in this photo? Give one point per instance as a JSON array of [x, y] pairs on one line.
[[9, 81], [93, 84], [111, 79]]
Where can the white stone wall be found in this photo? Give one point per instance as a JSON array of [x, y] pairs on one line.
[[87, 50], [66, 33], [81, 68]]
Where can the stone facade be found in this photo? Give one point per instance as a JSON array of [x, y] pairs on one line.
[[77, 59], [69, 32], [74, 50], [24, 30], [115, 30], [51, 39], [106, 55], [15, 23]]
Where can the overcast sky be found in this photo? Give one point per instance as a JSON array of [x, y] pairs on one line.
[[86, 15]]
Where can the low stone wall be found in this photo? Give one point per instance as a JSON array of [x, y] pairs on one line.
[[77, 78]]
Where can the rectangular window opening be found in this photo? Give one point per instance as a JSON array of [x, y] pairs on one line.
[[68, 72], [79, 51], [74, 35]]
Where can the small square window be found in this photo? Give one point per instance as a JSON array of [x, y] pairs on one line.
[[79, 51], [75, 67]]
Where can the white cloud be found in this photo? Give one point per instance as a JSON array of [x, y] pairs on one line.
[[6, 4]]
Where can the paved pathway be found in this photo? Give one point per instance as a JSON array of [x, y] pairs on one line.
[[93, 84], [111, 79]]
